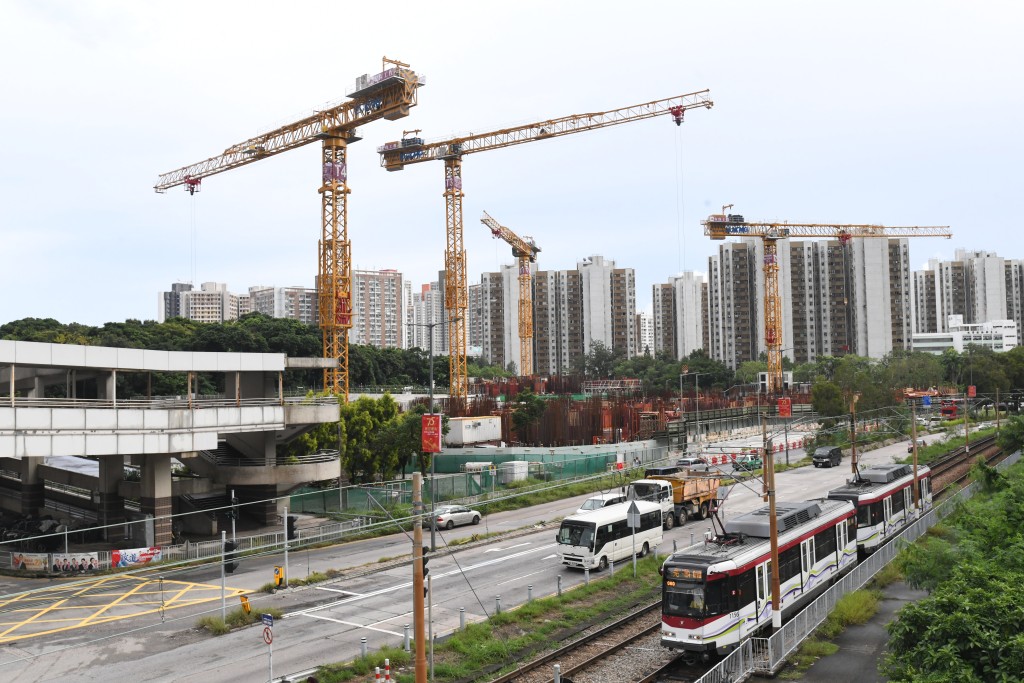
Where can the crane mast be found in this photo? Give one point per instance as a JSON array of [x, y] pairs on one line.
[[386, 95], [720, 226], [525, 251], [395, 155]]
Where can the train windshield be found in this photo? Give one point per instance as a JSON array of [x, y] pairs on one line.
[[684, 599], [577, 534]]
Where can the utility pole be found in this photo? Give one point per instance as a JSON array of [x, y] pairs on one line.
[[913, 436], [417, 580], [773, 525]]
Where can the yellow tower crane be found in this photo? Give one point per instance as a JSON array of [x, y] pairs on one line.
[[720, 226], [526, 251], [394, 156], [386, 95]]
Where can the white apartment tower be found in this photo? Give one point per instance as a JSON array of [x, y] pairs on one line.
[[609, 305], [377, 318]]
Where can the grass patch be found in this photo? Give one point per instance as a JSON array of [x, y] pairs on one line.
[[361, 667], [810, 651], [889, 574], [236, 618]]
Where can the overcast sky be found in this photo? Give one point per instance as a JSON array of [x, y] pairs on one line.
[[899, 113]]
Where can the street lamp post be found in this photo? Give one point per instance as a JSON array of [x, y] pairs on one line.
[[696, 396]]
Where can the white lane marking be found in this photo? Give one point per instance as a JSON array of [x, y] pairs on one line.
[[407, 584], [338, 590], [498, 550], [349, 623], [549, 557]]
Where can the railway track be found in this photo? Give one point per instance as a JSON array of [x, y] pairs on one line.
[[598, 648], [953, 469]]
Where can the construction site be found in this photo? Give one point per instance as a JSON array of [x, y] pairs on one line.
[[576, 411]]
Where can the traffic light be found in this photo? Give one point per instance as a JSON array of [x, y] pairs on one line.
[[292, 533], [424, 560], [233, 512], [230, 563]]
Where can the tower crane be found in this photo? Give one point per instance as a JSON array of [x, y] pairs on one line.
[[394, 156], [386, 95], [524, 249], [720, 226]]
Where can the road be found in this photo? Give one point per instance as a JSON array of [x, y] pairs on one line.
[[326, 623]]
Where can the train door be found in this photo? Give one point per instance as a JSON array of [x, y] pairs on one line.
[[910, 512], [764, 590], [886, 516], [806, 561]]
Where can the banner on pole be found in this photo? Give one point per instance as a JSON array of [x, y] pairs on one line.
[[431, 433], [972, 391], [785, 407]]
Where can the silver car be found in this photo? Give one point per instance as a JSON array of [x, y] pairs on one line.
[[449, 516]]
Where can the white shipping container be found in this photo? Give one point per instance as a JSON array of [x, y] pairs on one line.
[[466, 431]]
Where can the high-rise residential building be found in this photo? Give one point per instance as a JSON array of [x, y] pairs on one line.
[[979, 286], [663, 319], [169, 303], [734, 318], [475, 323], [427, 308], [836, 299], [492, 313], [557, 321], [679, 315], [213, 303], [296, 303], [644, 334], [609, 305], [377, 318]]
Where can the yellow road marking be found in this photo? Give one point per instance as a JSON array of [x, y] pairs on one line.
[[30, 619], [62, 613]]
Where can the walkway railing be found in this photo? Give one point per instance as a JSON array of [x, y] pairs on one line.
[[169, 402]]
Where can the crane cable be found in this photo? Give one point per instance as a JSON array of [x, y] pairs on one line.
[[680, 206], [193, 232]]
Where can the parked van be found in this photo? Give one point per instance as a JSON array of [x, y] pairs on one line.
[[601, 500], [827, 456]]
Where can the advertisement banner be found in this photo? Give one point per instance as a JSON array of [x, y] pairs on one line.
[[431, 433], [67, 563], [785, 407], [972, 391], [29, 562], [134, 556]]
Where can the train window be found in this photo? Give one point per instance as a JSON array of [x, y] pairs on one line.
[[864, 516], [716, 597], [898, 501], [789, 563], [824, 544], [744, 589]]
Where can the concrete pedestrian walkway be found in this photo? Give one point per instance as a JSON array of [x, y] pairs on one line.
[[861, 647]]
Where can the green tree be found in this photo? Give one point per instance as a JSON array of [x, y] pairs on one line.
[[1011, 434], [827, 399], [528, 411], [748, 371]]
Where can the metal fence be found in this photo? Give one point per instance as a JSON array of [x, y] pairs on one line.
[[767, 655]]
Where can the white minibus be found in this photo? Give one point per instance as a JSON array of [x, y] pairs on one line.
[[593, 539]]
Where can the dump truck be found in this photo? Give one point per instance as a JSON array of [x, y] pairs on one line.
[[681, 495]]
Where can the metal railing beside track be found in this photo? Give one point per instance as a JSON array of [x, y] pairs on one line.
[[767, 655], [169, 402]]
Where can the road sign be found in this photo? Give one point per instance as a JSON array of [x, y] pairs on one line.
[[633, 516], [268, 635], [268, 619]]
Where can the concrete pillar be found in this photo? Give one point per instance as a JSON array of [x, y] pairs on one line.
[[106, 386], [33, 496], [111, 504], [156, 495]]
